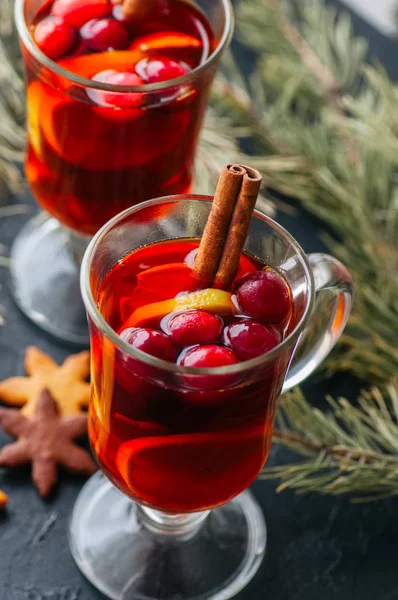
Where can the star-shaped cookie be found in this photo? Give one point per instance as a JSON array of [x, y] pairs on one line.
[[66, 382], [45, 440]]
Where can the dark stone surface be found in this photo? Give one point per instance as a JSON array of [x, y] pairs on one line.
[[318, 548]]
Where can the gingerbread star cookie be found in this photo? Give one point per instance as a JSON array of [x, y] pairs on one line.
[[65, 382], [3, 500], [46, 440]]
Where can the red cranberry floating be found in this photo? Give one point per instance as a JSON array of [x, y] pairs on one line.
[[250, 339], [103, 76], [160, 69], [124, 100], [195, 327], [264, 295], [77, 12], [104, 34], [210, 356], [117, 99], [150, 341], [54, 37]]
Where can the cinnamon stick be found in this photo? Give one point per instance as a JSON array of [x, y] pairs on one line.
[[216, 230], [138, 10], [238, 229], [223, 239]]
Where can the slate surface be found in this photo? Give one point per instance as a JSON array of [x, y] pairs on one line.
[[318, 548]]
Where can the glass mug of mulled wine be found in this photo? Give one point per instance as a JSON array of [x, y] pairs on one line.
[[185, 384], [114, 109]]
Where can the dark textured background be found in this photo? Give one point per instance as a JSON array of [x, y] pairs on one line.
[[318, 548]]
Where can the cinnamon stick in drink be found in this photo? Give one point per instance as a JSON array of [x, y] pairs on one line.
[[223, 239], [216, 230], [238, 229]]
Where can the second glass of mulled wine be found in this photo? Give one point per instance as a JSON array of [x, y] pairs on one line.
[[114, 109], [185, 384]]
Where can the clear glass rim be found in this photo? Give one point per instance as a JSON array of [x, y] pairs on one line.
[[27, 40], [111, 334]]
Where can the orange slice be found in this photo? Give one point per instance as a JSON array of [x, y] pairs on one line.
[[212, 300], [83, 138], [126, 428], [159, 283], [165, 41], [40, 99], [89, 65], [191, 471]]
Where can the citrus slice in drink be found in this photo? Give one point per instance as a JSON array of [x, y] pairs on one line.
[[68, 127], [191, 471], [159, 283], [169, 43], [211, 300], [126, 428], [85, 139], [88, 65]]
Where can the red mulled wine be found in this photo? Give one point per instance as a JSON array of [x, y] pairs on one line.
[[198, 440], [91, 152]]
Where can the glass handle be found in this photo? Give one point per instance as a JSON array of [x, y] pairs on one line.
[[333, 302]]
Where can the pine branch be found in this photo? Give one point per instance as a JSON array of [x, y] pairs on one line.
[[329, 84], [12, 134], [346, 152], [348, 450]]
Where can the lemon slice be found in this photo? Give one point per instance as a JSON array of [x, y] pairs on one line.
[[212, 300]]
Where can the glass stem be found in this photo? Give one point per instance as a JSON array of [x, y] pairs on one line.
[[182, 526], [77, 244]]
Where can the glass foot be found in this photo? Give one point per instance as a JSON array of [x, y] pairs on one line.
[[45, 273], [127, 560]]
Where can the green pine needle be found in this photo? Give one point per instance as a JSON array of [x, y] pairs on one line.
[[348, 450]]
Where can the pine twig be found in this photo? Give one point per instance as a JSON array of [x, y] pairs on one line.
[[350, 449], [329, 85], [337, 452], [309, 58]]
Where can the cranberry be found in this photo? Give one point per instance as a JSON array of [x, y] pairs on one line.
[[54, 37], [250, 339], [160, 69], [77, 12], [264, 295], [208, 357], [104, 34], [103, 76], [126, 100], [98, 96], [117, 99], [150, 341], [195, 327]]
